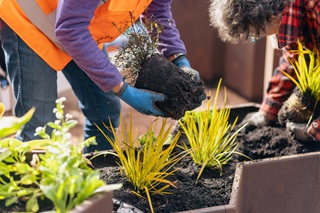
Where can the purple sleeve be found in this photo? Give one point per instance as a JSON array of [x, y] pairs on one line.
[[170, 42], [73, 19]]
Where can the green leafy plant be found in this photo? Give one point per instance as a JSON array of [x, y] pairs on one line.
[[143, 40], [210, 135], [148, 163], [61, 174], [307, 70]]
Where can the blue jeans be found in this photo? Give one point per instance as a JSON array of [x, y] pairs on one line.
[[35, 84]]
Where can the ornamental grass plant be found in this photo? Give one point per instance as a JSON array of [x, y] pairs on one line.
[[211, 137], [302, 105], [307, 70], [146, 161]]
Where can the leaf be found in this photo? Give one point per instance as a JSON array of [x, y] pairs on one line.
[[2, 109], [11, 201], [70, 124], [40, 144], [5, 143], [5, 154], [10, 125], [108, 187], [28, 179], [49, 191], [32, 204]]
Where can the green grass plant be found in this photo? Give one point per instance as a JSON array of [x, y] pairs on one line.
[[147, 161], [210, 135]]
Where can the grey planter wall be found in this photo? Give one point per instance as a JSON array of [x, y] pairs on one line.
[[289, 184]]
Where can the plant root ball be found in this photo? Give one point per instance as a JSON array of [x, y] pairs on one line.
[[298, 108], [158, 74]]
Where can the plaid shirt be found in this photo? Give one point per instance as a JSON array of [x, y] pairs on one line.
[[300, 20]]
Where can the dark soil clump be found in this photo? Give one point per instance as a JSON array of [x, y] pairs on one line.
[[298, 108], [160, 75]]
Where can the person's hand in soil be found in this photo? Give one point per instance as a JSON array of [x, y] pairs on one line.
[[142, 100], [183, 63], [254, 120], [300, 131]]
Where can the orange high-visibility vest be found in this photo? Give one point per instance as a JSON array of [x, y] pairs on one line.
[[109, 21]]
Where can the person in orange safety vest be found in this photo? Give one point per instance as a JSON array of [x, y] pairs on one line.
[[42, 37]]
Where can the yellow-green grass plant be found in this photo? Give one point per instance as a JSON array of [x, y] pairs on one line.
[[210, 135], [307, 70], [147, 161], [308, 73]]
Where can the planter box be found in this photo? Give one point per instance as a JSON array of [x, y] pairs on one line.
[[99, 203], [287, 184]]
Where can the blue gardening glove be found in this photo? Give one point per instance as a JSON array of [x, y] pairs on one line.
[[183, 63], [300, 131], [142, 100]]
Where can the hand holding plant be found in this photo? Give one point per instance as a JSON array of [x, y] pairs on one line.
[[302, 105]]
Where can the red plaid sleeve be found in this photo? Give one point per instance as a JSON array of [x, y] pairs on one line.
[[300, 20], [280, 86]]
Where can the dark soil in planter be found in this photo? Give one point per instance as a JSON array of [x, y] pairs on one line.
[[44, 205], [212, 189], [160, 75]]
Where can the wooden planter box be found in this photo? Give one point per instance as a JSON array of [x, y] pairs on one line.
[[288, 184], [102, 202], [97, 204]]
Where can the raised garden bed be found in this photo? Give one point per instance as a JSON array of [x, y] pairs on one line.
[[241, 190], [281, 179], [99, 203]]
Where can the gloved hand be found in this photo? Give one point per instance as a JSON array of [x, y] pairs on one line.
[[142, 100], [300, 131], [254, 120], [183, 63]]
